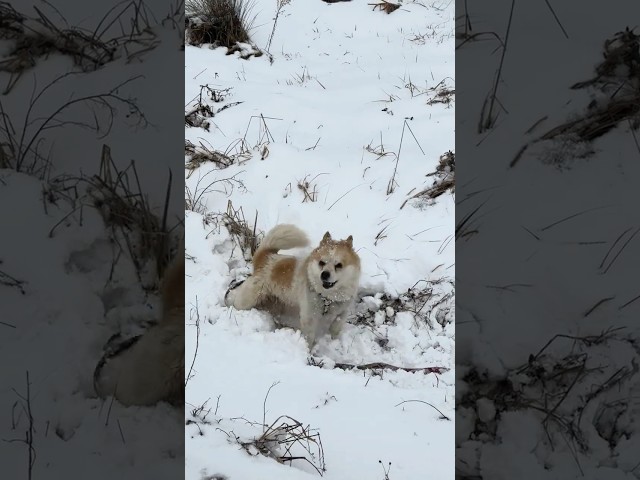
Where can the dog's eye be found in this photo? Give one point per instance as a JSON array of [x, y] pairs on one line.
[[338, 266], [321, 263]]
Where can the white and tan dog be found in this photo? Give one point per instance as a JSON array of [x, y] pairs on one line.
[[311, 294]]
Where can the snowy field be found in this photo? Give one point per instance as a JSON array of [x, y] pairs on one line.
[[569, 408], [336, 130], [65, 285]]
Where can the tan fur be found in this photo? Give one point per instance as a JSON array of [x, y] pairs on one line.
[[292, 288], [261, 257], [282, 272], [152, 369]]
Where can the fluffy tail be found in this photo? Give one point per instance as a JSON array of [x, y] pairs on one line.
[[280, 237]]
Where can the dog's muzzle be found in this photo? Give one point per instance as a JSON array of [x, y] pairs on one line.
[[328, 285]]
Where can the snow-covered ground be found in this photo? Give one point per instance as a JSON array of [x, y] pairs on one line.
[[570, 412], [349, 100], [59, 305]]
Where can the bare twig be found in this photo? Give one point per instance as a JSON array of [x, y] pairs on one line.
[[279, 7], [442, 415], [195, 353], [489, 119], [393, 368], [264, 406]]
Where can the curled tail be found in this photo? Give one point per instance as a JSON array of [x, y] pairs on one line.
[[280, 237]]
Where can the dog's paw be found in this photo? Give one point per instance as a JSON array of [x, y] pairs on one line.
[[117, 343], [116, 346], [228, 296], [231, 293], [236, 283]]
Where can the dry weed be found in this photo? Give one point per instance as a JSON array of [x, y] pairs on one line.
[[32, 38], [617, 96], [559, 387], [441, 94], [222, 23], [385, 6], [118, 197], [308, 188], [287, 440], [445, 179]]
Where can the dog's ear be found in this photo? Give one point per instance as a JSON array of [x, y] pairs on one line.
[[326, 238], [350, 241]]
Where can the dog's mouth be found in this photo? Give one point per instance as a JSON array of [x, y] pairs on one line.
[[328, 285]]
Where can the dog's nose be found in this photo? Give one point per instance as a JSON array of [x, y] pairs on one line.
[[325, 275]]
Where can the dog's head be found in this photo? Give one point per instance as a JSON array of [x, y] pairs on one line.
[[334, 268]]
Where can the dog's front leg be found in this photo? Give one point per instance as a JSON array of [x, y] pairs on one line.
[[308, 330], [336, 327], [309, 325]]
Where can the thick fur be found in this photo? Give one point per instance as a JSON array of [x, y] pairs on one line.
[[311, 294], [150, 369]]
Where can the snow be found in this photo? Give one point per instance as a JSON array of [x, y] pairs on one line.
[[55, 330], [340, 81], [558, 273]]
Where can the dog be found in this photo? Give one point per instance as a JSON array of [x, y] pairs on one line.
[[149, 368], [311, 294]]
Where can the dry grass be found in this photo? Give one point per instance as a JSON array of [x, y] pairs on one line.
[[300, 78], [385, 6], [374, 312], [22, 409], [622, 50], [379, 150], [285, 440], [10, 281], [264, 136], [391, 186], [599, 121], [198, 115], [118, 197], [558, 387], [427, 305], [441, 94], [245, 236], [134, 228], [445, 179], [200, 154], [280, 4], [222, 23], [281, 437], [32, 38], [617, 96], [194, 200], [433, 33], [386, 470], [308, 188], [488, 114], [23, 144]]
